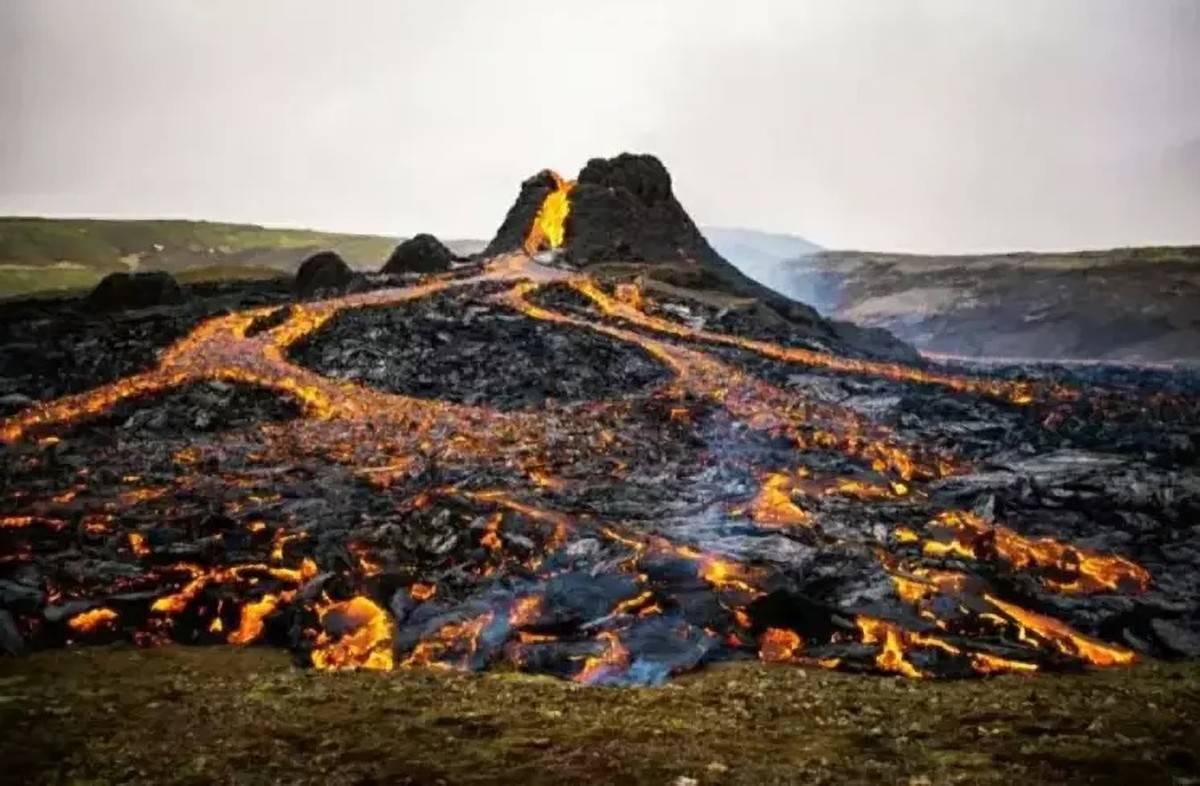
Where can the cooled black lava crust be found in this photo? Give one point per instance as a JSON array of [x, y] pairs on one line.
[[457, 347]]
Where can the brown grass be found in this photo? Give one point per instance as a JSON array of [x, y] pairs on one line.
[[221, 715]]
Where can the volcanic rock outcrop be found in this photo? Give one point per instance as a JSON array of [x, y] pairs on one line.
[[325, 270], [421, 253], [623, 210], [123, 291]]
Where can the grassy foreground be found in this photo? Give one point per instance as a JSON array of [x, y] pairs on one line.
[[221, 715]]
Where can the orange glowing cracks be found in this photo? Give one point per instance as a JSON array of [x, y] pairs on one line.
[[452, 646], [422, 592], [612, 661], [137, 544], [362, 637], [93, 621], [1020, 393], [1074, 570], [253, 614], [1064, 638], [550, 226], [893, 643], [525, 611], [773, 506]]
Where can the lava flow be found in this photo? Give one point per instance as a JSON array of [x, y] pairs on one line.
[[550, 225], [616, 540]]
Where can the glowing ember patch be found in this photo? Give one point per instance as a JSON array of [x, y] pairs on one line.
[[176, 603], [1088, 571], [921, 583], [525, 611], [365, 641], [984, 663], [93, 621], [491, 533], [773, 505], [778, 645], [21, 522], [724, 574], [135, 496], [627, 606], [253, 614], [857, 489], [1064, 638], [631, 295], [451, 647], [96, 523], [422, 592], [546, 480], [137, 544], [550, 226], [366, 562], [612, 663], [892, 646]]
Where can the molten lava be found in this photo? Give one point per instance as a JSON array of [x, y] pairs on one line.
[[92, 621], [550, 226], [361, 636]]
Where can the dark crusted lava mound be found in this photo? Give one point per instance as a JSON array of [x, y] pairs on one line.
[[421, 253], [457, 348], [121, 291], [623, 210], [323, 271]]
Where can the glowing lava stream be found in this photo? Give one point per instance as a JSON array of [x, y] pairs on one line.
[[219, 349], [549, 227], [1013, 392]]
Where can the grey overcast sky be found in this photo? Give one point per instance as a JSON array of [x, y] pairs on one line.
[[964, 125]]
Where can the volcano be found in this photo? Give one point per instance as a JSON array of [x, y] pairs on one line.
[[597, 451], [623, 210]]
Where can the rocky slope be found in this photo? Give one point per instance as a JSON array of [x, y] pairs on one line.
[[1137, 304]]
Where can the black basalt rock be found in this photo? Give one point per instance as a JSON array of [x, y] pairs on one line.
[[124, 291], [623, 209], [323, 271], [511, 234], [422, 253]]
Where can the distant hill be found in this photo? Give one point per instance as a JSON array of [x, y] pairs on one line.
[[41, 254], [759, 254], [1122, 304], [54, 254]]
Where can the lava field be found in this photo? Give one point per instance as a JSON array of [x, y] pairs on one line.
[[531, 462], [528, 466]]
